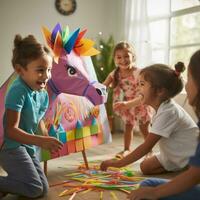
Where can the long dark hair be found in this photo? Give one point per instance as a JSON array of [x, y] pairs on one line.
[[194, 68]]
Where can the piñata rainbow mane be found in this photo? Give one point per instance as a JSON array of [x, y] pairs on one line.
[[59, 40]]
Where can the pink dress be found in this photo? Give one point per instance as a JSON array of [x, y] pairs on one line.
[[127, 90]]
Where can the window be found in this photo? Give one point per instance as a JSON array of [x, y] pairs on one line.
[[183, 4], [174, 29]]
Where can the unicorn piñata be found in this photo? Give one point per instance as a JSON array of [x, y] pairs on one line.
[[73, 116]]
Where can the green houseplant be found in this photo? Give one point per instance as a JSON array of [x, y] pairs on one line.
[[103, 65]]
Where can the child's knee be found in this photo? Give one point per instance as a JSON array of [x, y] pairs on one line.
[[45, 189], [35, 191], [146, 170]]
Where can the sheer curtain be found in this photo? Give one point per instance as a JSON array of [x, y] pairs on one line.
[[136, 30]]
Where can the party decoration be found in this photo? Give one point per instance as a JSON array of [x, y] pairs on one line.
[[114, 179]]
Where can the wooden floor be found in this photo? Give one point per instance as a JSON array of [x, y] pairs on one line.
[[58, 168]]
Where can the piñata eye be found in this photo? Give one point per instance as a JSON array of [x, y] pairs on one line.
[[71, 71]]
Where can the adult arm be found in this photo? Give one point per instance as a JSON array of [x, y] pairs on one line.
[[179, 184]]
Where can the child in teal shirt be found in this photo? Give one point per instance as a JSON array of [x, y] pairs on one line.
[[25, 105]]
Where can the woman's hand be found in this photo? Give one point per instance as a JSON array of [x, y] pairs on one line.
[[143, 193], [108, 163]]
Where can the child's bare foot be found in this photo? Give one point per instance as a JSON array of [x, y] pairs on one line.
[[122, 154]]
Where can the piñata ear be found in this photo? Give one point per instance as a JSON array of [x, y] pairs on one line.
[[58, 46], [71, 42]]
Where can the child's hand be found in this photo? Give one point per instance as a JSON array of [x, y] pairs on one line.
[[108, 163], [51, 144], [122, 105], [143, 193]]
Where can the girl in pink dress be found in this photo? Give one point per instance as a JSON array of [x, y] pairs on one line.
[[124, 80]]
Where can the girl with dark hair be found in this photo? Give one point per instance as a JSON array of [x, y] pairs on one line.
[[124, 80], [25, 105], [172, 128], [184, 186]]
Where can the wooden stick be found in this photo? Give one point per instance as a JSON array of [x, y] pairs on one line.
[[85, 159], [45, 168], [113, 195], [73, 195], [59, 183], [101, 195], [126, 191]]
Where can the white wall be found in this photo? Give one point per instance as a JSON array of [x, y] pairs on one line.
[[27, 16]]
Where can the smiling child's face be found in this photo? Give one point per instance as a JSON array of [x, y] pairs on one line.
[[37, 72], [124, 59], [145, 90]]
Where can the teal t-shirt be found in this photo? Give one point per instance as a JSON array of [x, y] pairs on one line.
[[31, 104]]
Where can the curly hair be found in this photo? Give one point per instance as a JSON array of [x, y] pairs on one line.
[[194, 68]]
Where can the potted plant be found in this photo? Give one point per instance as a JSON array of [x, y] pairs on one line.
[[103, 65]]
